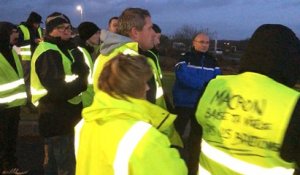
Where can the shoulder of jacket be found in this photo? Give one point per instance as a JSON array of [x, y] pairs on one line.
[[186, 57], [210, 56]]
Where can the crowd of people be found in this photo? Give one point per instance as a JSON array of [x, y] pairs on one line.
[[102, 108]]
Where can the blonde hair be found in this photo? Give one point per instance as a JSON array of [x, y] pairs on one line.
[[125, 75]]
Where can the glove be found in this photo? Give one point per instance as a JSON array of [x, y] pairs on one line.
[[79, 67]]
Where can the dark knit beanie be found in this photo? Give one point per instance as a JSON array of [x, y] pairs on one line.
[[156, 28], [34, 18], [55, 19], [87, 29]]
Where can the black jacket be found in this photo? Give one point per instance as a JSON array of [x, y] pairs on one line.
[[57, 115], [33, 35]]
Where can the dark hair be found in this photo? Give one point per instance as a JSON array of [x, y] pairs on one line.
[[274, 51], [132, 17], [112, 18], [6, 29], [125, 75], [156, 28]]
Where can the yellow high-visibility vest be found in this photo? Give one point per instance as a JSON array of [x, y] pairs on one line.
[[12, 85], [117, 137], [244, 118], [36, 87]]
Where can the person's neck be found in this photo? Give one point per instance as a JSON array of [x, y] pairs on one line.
[[88, 43]]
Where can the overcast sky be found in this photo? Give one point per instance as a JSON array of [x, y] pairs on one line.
[[229, 19]]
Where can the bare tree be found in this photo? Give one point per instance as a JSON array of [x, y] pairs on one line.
[[186, 33]]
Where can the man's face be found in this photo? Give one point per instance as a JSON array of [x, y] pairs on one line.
[[145, 37], [64, 31], [36, 25], [201, 43], [113, 26], [157, 40], [14, 37], [94, 39]]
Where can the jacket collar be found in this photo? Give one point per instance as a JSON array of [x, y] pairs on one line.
[[107, 108]]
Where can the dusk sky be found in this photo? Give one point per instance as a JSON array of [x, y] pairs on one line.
[[229, 19]]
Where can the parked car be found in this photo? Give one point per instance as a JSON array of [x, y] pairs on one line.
[[219, 52]]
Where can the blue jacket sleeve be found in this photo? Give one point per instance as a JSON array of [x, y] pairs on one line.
[[189, 76]]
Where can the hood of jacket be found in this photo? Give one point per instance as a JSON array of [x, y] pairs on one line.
[[106, 108], [111, 41]]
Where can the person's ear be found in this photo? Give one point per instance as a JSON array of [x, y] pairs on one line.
[[134, 33]]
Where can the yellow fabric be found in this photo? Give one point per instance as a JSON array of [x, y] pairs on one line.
[[246, 116], [160, 100], [102, 59], [105, 123], [25, 31], [133, 47], [10, 75], [25, 50], [88, 95]]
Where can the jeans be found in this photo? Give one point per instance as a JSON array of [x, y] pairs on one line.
[[59, 155]]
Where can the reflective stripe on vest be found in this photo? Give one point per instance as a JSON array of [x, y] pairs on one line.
[[12, 85], [127, 146], [25, 51], [130, 52], [202, 171], [157, 63], [77, 130], [14, 97], [88, 61], [237, 165], [160, 100], [42, 92], [88, 95]]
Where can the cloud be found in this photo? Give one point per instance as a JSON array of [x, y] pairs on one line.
[[232, 19]]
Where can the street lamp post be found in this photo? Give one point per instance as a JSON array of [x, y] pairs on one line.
[[80, 9]]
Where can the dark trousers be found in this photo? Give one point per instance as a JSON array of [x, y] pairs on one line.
[[59, 155], [26, 71], [191, 150], [9, 123]]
